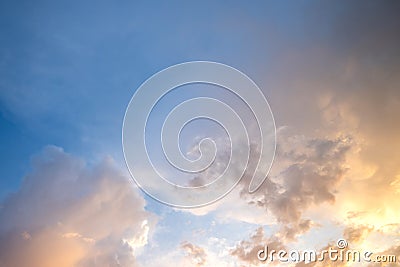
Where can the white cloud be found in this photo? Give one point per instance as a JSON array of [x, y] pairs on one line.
[[69, 214]]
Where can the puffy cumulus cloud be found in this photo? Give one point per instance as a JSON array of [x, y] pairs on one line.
[[307, 171], [195, 253], [314, 169], [69, 214]]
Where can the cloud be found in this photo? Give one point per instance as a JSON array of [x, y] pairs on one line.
[[195, 253], [346, 83], [67, 213], [246, 250], [358, 233], [334, 92], [392, 251], [307, 172], [314, 171]]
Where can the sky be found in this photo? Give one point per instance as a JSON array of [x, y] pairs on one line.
[[68, 69]]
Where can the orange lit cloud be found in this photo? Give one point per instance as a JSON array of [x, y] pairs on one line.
[[68, 214]]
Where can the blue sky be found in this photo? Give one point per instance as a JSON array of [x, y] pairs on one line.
[[69, 69], [329, 70]]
